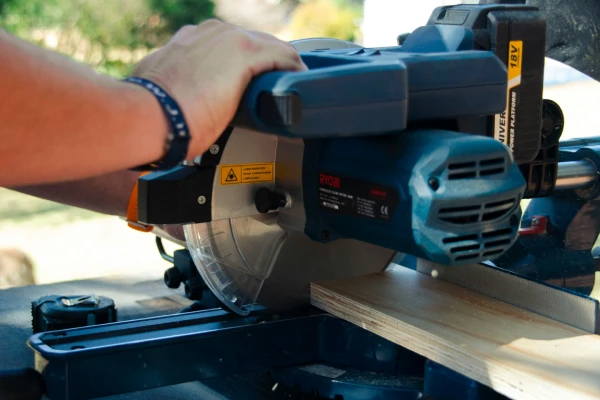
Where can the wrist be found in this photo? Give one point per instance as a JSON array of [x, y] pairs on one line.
[[151, 120], [176, 145]]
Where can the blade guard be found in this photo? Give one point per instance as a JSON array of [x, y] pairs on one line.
[[234, 257]]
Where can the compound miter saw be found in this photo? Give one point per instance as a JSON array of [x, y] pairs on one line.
[[417, 149], [419, 154]]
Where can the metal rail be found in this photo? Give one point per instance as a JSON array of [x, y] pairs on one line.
[[576, 175]]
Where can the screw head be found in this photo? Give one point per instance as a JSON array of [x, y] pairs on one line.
[[535, 221], [434, 184], [325, 235], [201, 200], [214, 149]]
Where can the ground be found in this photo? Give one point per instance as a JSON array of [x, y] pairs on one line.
[[67, 243]]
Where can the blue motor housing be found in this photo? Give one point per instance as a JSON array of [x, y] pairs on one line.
[[444, 196]]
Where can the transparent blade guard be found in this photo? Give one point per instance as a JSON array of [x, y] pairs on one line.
[[235, 256]]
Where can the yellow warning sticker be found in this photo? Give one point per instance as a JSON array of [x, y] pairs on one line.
[[247, 173]]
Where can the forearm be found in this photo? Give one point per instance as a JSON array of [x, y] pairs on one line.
[[59, 120], [106, 194]]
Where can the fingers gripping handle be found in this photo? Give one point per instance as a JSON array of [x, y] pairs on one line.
[[336, 96]]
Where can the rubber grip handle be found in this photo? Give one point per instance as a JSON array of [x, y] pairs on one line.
[[21, 384], [338, 95]]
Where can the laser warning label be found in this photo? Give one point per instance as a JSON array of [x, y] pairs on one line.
[[505, 123], [247, 173]]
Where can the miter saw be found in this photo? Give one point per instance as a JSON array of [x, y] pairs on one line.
[[419, 154], [416, 149]]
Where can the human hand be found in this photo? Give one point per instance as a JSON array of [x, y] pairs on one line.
[[206, 69]]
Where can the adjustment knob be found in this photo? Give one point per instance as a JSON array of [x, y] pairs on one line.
[[194, 288], [52, 313], [172, 278], [266, 200]]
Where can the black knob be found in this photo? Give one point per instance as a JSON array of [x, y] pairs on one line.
[[25, 384], [52, 313], [194, 288], [172, 278], [553, 122], [266, 200]]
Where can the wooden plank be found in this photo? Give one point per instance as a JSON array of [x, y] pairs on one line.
[[518, 353]]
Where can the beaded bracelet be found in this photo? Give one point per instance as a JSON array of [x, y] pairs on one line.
[[176, 146]]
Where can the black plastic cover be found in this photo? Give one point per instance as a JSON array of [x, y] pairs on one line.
[[174, 196]]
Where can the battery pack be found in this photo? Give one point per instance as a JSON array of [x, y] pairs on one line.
[[516, 35]]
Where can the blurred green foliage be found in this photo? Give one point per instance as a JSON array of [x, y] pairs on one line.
[[112, 35], [109, 34], [338, 19]]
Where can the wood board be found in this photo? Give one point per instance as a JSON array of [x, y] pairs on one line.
[[518, 353]]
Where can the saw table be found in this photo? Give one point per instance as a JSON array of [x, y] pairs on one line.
[[131, 293], [385, 370]]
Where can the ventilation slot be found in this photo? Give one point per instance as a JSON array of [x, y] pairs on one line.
[[472, 169], [464, 248], [493, 215], [464, 170], [508, 202], [469, 214], [488, 172], [467, 257], [476, 246], [492, 253], [465, 165], [500, 232], [493, 161], [460, 215], [462, 220], [501, 208], [459, 239], [458, 209], [492, 166], [497, 243]]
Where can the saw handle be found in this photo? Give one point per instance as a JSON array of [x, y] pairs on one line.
[[339, 95]]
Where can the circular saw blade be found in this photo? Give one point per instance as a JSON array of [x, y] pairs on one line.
[[302, 261], [252, 260]]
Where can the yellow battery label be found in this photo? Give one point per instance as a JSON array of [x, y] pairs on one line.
[[506, 123], [515, 51], [247, 173]]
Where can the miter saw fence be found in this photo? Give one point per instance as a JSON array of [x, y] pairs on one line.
[[425, 148]]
